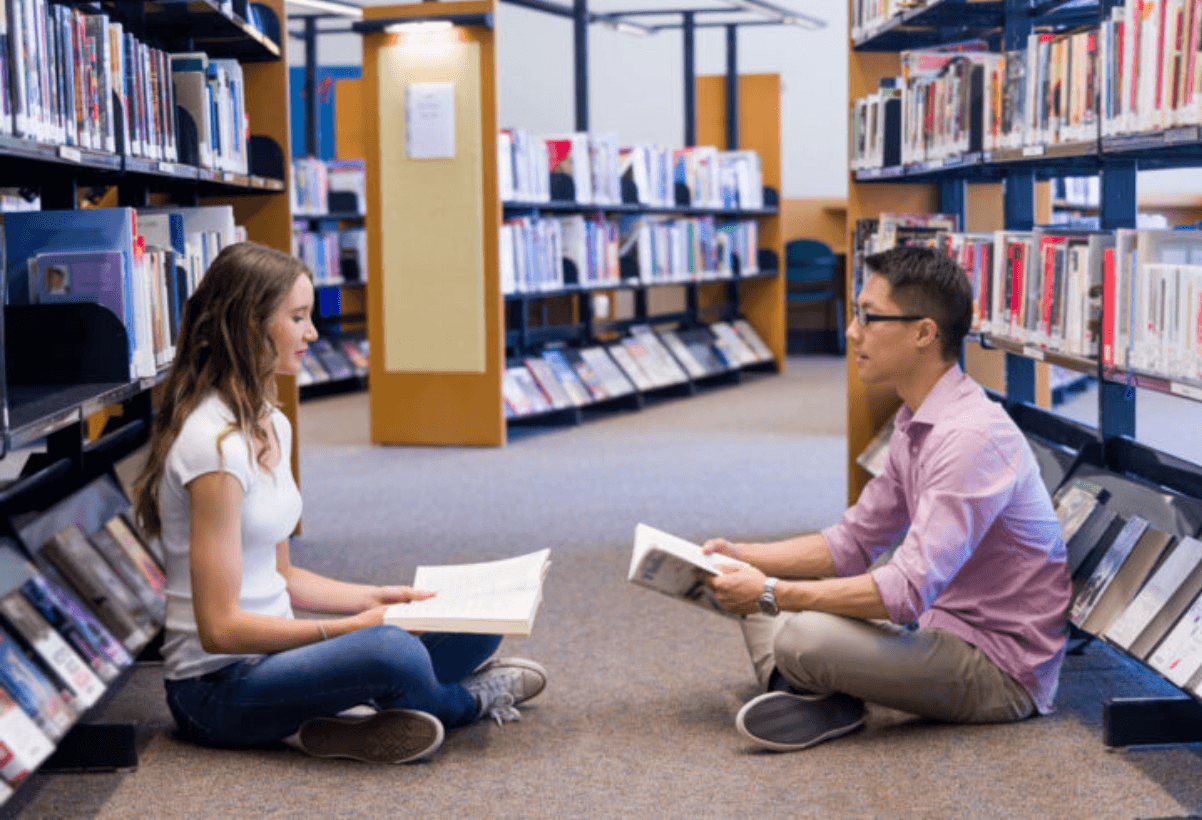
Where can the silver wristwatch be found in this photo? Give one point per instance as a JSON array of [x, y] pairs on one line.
[[767, 600]]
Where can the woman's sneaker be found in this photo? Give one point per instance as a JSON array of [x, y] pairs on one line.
[[502, 683], [388, 736]]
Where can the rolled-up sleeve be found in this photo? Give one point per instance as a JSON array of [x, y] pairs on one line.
[[965, 484], [872, 524]]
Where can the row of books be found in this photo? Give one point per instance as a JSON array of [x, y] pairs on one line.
[[79, 80], [321, 251], [868, 16], [540, 254], [1077, 192], [1150, 74], [1136, 73], [1134, 585], [74, 612], [335, 257], [597, 166], [321, 186], [563, 377], [140, 264], [333, 359], [1132, 297]]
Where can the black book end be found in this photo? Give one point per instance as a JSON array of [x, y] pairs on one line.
[[266, 157], [683, 196], [265, 18], [65, 343], [571, 274], [630, 192], [628, 267], [771, 197], [349, 269], [187, 140], [343, 202], [768, 261], [563, 188]]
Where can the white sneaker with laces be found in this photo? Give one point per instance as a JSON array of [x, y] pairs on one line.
[[502, 683]]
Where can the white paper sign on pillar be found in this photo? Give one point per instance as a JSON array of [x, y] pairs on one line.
[[430, 120]]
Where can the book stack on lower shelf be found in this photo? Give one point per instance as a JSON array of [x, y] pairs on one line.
[[645, 361], [81, 595]]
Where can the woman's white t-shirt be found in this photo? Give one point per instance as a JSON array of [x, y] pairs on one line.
[[271, 508]]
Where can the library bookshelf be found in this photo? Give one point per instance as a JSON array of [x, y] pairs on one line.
[[440, 341], [74, 406], [1139, 480]]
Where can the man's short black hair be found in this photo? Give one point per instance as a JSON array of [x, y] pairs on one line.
[[927, 282]]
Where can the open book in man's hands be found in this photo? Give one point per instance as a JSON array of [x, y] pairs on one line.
[[676, 567], [492, 598]]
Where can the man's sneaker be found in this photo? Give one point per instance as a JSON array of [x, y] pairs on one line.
[[785, 722], [388, 736], [502, 683]]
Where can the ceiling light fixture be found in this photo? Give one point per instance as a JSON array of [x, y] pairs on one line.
[[329, 7], [781, 14], [627, 27], [418, 27]]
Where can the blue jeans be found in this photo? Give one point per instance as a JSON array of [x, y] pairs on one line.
[[263, 699]]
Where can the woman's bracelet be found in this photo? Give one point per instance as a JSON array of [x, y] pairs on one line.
[[322, 629]]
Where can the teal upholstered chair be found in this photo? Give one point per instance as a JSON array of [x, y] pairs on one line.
[[812, 276]]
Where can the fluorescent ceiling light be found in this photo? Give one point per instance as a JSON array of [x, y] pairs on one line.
[[418, 26], [805, 22], [627, 27], [781, 14], [329, 7]]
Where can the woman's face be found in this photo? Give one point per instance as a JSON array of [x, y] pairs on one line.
[[292, 327]]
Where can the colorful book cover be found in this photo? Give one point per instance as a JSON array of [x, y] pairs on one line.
[[71, 553], [23, 746], [129, 541], [563, 371], [90, 638], [40, 699], [154, 600], [55, 653]]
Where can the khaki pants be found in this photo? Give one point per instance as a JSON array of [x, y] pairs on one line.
[[928, 672]]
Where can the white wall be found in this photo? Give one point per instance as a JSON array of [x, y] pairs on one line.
[[636, 83]]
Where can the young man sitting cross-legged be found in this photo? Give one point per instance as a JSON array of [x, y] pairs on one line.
[[966, 622]]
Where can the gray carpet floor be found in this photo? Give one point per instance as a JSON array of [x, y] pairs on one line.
[[637, 720]]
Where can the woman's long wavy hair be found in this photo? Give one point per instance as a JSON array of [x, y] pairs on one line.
[[223, 346]]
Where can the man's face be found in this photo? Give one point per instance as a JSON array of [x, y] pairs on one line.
[[884, 350]]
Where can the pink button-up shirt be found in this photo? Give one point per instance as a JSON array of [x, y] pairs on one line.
[[983, 557]]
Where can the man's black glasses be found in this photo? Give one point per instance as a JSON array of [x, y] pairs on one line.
[[865, 318]]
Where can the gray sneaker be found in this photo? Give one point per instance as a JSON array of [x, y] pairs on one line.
[[388, 736], [785, 722], [502, 683]]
